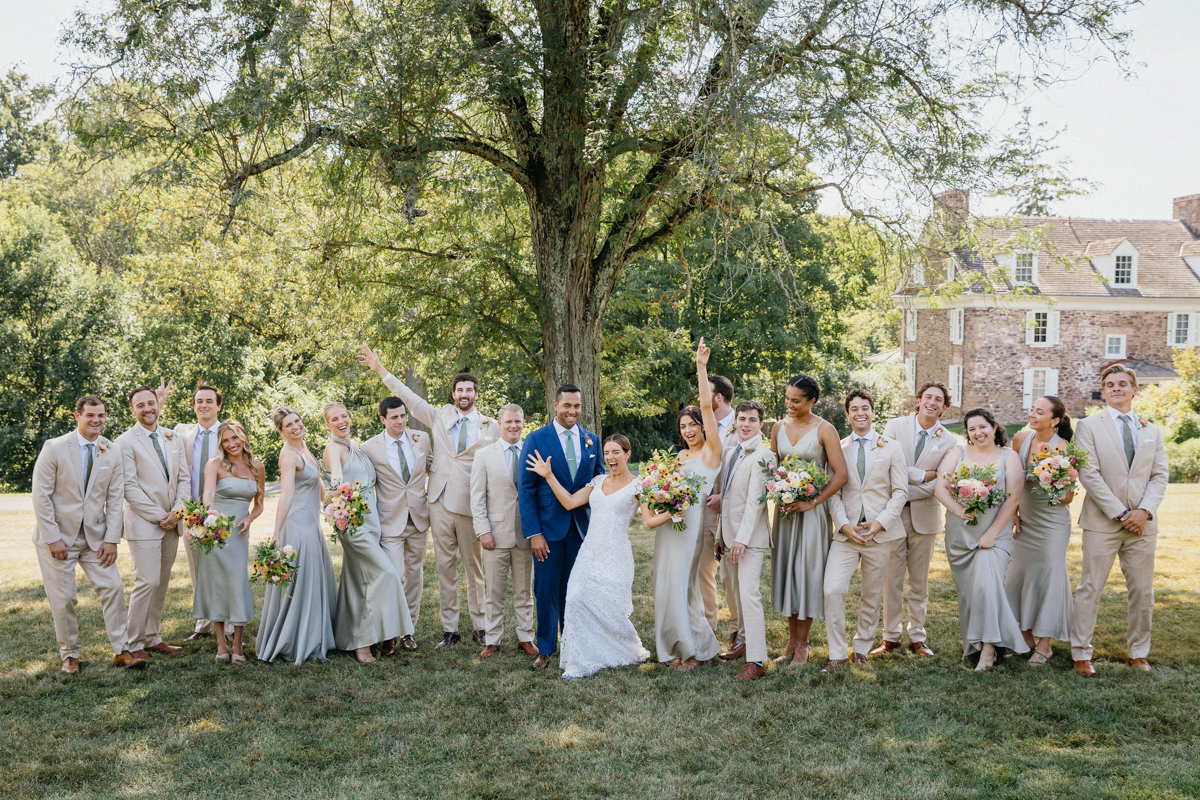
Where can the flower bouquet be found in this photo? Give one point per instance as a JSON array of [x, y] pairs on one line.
[[663, 487], [792, 479], [976, 489], [1055, 473], [204, 529], [345, 510], [275, 565]]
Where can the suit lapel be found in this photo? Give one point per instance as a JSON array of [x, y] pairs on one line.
[[557, 454], [904, 434], [73, 445], [1114, 435]]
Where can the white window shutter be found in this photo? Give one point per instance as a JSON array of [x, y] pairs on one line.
[[1029, 326], [1027, 392], [1051, 382], [910, 373], [956, 380], [1052, 328], [1171, 329]]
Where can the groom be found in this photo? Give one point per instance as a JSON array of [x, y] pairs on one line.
[[554, 533]]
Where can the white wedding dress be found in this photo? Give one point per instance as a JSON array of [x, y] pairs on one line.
[[597, 632]]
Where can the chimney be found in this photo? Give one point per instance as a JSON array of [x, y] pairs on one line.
[[1187, 211], [956, 205]]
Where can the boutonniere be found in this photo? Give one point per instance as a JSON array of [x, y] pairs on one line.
[[102, 447], [1143, 421], [938, 433], [168, 434], [415, 437], [587, 441], [879, 441], [483, 420]]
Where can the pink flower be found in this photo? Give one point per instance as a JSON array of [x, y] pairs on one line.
[[1072, 473], [965, 491], [341, 524], [1045, 477], [810, 490]]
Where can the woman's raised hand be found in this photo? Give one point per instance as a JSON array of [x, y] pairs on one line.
[[538, 464], [702, 353]]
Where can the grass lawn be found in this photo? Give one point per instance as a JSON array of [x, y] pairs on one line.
[[444, 724]]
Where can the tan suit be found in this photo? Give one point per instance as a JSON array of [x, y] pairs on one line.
[[708, 559], [403, 511], [450, 504], [922, 519], [744, 521], [1113, 485], [188, 432], [880, 496], [149, 494], [82, 520], [494, 509]]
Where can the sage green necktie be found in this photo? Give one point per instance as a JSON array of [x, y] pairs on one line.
[[462, 434], [862, 460], [87, 477], [512, 467], [405, 473], [203, 461], [162, 459], [1127, 435], [569, 448], [920, 444], [737, 453]]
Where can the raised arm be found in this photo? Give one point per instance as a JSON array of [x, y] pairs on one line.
[[535, 463], [418, 406], [712, 433]]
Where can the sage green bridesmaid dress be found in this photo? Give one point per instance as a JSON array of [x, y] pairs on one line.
[[222, 575], [801, 543]]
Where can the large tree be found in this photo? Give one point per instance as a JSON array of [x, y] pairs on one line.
[[616, 121]]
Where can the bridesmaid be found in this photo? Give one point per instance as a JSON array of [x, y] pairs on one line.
[[1038, 587], [683, 638], [371, 607], [802, 540], [299, 624], [978, 554], [232, 481]]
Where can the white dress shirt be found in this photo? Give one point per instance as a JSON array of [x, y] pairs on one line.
[[393, 454], [573, 431], [1133, 423], [197, 467], [472, 421], [508, 454], [83, 453], [162, 443], [726, 424]]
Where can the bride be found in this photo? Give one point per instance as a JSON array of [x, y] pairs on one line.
[[597, 632]]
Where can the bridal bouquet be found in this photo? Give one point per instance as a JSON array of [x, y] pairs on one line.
[[663, 487], [976, 489], [792, 479], [275, 565], [1055, 473], [205, 529], [345, 510]]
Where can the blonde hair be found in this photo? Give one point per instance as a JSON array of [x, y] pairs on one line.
[[511, 407], [1118, 368], [329, 407], [279, 415], [239, 432]]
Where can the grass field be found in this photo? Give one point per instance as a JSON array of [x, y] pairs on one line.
[[444, 724]]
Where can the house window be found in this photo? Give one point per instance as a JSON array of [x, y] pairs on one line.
[[1179, 329], [910, 325], [910, 374], [1041, 328], [956, 380], [1114, 345], [1038, 385], [1123, 271], [1039, 382], [1024, 268]]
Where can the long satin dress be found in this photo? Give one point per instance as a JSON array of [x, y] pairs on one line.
[[371, 606], [222, 575], [984, 615], [300, 626], [680, 627], [801, 543], [1037, 583]]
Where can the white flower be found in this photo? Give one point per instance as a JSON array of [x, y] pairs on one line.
[[210, 520]]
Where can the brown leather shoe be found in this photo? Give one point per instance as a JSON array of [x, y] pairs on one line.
[[1085, 668], [387, 648], [833, 664], [859, 658], [920, 648], [70, 665], [541, 662], [408, 643], [127, 660], [165, 649], [489, 651], [737, 651], [527, 648], [198, 635], [750, 672], [886, 647], [141, 655], [1140, 663]]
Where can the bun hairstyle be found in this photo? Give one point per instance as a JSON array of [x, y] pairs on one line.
[[280, 415], [693, 413], [1001, 437], [807, 386], [621, 441], [1058, 410]]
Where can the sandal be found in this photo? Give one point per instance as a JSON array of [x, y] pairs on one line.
[[1039, 658], [801, 657], [236, 659], [223, 657], [789, 651]]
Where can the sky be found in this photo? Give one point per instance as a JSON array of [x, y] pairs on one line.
[[1135, 138]]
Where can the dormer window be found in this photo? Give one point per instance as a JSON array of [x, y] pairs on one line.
[[1023, 271], [1123, 271]]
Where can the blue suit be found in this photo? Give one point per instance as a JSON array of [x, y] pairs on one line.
[[564, 529]]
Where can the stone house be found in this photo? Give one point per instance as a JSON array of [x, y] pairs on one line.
[[1040, 305]]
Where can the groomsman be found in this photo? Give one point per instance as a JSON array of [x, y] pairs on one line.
[[458, 431], [923, 441], [1125, 482], [744, 531], [199, 445], [77, 492], [866, 522], [722, 396], [497, 518], [154, 468], [401, 459]]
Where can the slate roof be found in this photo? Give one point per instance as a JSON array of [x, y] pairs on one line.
[[1145, 370]]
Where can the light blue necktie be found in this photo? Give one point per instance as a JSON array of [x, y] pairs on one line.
[[569, 448]]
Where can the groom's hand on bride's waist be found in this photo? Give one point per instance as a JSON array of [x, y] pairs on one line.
[[540, 548]]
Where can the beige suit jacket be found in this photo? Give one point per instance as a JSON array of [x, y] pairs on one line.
[[1113, 485], [400, 502], [60, 504], [494, 498], [743, 519], [882, 494], [187, 432], [148, 493], [449, 472], [924, 508]]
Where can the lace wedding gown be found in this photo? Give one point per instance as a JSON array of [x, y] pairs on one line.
[[597, 632]]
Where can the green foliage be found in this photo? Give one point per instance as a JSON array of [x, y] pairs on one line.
[[1183, 461], [22, 136]]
